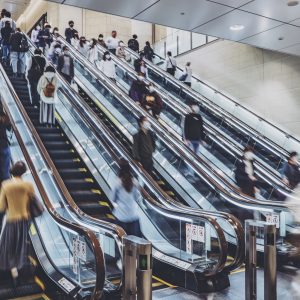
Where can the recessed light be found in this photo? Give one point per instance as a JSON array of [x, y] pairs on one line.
[[292, 3], [237, 27], [281, 38], [182, 13]]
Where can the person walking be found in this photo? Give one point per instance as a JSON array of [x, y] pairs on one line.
[[6, 33], [133, 43], [171, 63], [125, 197], [54, 52], [186, 76], [7, 18], [70, 32], [112, 42], [35, 72], [244, 173], [93, 52], [152, 101], [144, 145], [45, 38], [34, 35], [47, 88], [4, 145], [101, 41], [148, 51], [107, 66], [138, 89], [65, 65], [15, 198], [83, 46], [291, 172], [19, 46]]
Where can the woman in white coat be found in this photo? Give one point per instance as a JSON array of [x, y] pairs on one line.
[[107, 66], [47, 88], [93, 52]]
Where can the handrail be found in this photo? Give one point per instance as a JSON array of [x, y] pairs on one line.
[[99, 256], [181, 109]]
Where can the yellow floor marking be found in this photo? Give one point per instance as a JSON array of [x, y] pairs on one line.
[[32, 260], [156, 284], [164, 282], [39, 283], [58, 117], [45, 297], [160, 182], [110, 216], [32, 229], [76, 159], [83, 170], [88, 180], [32, 297], [103, 203], [96, 192], [170, 193]]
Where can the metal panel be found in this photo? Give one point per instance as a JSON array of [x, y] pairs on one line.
[[125, 8], [221, 26], [232, 3], [196, 12]]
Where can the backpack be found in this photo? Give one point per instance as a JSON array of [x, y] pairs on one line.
[[24, 46], [132, 44], [49, 89]]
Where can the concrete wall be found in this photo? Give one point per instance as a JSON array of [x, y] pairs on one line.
[[87, 22], [265, 81]]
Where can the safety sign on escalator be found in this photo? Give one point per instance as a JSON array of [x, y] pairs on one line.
[[194, 233]]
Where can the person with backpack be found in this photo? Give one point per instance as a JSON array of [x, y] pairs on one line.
[[19, 46], [171, 63], [133, 43], [35, 72], [138, 89], [5, 155], [152, 102], [144, 145], [70, 32], [6, 33], [148, 51], [7, 18], [65, 65], [47, 89], [125, 197]]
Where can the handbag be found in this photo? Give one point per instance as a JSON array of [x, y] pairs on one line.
[[183, 76], [36, 208]]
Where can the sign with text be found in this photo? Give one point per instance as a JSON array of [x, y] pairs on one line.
[[194, 233], [273, 219]]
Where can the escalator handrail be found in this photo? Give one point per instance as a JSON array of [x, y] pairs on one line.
[[233, 195], [181, 110], [90, 235], [263, 139]]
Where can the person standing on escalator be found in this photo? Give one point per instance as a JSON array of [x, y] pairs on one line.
[[6, 33], [291, 172], [65, 65], [152, 101], [133, 44], [101, 41], [70, 32], [148, 51], [144, 145], [125, 197], [107, 66], [171, 64], [112, 42], [138, 89]]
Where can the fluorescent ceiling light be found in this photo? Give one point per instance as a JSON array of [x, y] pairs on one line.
[[237, 27], [292, 3]]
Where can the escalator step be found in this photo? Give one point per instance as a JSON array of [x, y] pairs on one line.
[[53, 137], [73, 173], [52, 145], [42, 129], [86, 196], [83, 184], [70, 153], [68, 163]]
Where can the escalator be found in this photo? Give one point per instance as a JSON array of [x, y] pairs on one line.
[[165, 233]]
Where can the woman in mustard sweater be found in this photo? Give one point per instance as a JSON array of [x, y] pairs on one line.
[[15, 196]]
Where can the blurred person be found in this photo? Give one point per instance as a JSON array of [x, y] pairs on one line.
[[45, 38], [7, 18], [152, 101], [112, 42], [144, 145], [171, 63], [138, 62], [34, 35], [19, 46], [144, 68], [133, 43], [148, 51], [93, 52], [244, 173], [83, 46], [65, 64], [70, 32], [35, 72], [3, 11], [138, 89], [186, 76], [5, 155], [120, 52], [55, 33], [101, 41], [6, 33], [47, 89], [75, 40], [291, 172], [107, 66], [54, 52], [15, 197], [125, 197]]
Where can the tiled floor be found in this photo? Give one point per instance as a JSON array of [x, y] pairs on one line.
[[236, 291]]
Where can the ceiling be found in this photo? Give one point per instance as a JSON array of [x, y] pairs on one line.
[[269, 24], [16, 7]]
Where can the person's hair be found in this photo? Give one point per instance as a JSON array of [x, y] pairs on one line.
[[169, 53], [100, 35], [55, 28], [71, 22], [38, 51], [292, 154], [7, 24], [135, 36], [65, 48], [125, 174], [18, 169], [141, 120], [7, 14], [114, 31], [148, 43], [248, 148], [104, 55], [3, 12], [48, 26], [142, 54], [50, 69], [57, 46], [82, 38], [188, 63], [94, 43], [18, 29]]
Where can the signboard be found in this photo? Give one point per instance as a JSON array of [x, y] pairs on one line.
[[172, 260], [194, 233], [273, 219], [79, 249], [66, 284]]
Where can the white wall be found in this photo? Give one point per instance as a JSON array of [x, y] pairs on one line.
[[265, 81]]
